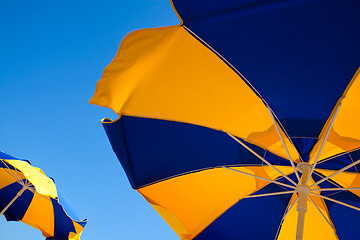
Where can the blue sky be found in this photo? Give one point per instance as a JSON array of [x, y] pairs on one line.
[[51, 55]]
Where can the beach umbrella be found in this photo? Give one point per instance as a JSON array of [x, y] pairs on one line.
[[29, 196], [242, 122]]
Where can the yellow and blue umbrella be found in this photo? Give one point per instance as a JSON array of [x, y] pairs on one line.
[[243, 121], [29, 196]]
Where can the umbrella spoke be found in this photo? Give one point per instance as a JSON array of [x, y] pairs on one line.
[[14, 199], [338, 155], [324, 141], [283, 142], [266, 179], [330, 224], [270, 194], [254, 89], [288, 209], [334, 189], [335, 201], [335, 173], [292, 205], [225, 60], [261, 158]]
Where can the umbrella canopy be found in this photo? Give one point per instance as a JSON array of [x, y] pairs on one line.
[[29, 196], [243, 121]]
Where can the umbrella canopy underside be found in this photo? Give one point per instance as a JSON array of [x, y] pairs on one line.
[[242, 117]]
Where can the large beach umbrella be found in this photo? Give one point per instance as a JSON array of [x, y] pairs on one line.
[[29, 196], [243, 121]]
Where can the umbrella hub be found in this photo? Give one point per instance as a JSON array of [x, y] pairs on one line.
[[303, 190], [303, 166]]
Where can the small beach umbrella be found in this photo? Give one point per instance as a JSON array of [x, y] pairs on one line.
[[29, 196], [242, 122]]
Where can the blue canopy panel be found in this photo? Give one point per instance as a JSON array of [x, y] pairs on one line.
[[63, 223], [304, 146], [299, 55], [257, 218], [151, 150], [345, 219]]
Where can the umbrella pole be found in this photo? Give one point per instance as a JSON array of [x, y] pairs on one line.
[[303, 192], [13, 200]]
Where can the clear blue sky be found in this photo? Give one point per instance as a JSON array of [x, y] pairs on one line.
[[51, 55]]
